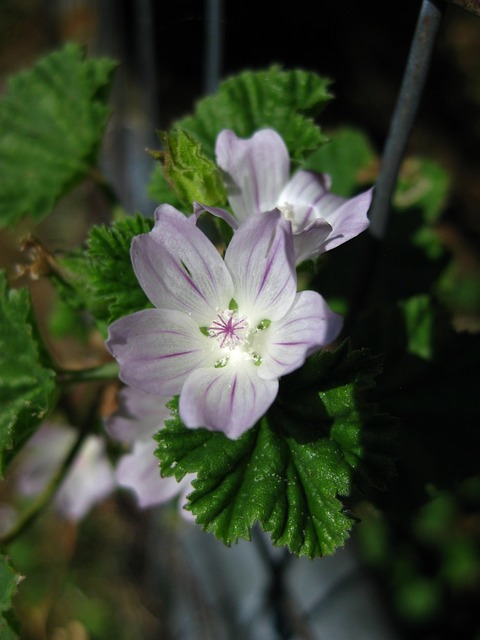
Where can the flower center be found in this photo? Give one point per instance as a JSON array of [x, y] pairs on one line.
[[288, 212], [230, 329]]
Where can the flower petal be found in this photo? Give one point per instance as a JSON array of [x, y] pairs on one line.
[[261, 261], [90, 479], [179, 268], [311, 242], [140, 472], [255, 170], [348, 218], [157, 349], [230, 399], [304, 193], [309, 325], [199, 208], [138, 417]]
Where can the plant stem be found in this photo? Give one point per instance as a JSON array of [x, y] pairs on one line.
[[108, 371], [35, 509]]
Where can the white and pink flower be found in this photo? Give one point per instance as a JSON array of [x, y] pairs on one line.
[[223, 331], [257, 178]]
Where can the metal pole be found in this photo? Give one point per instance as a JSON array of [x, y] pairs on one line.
[[213, 46], [404, 115]]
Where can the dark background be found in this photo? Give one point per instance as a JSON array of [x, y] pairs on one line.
[[361, 46]]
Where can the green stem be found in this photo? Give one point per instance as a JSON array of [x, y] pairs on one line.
[[107, 371], [35, 509]]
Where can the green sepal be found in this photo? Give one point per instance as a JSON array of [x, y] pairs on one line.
[[286, 101], [52, 120], [27, 384], [288, 471], [192, 175], [161, 192]]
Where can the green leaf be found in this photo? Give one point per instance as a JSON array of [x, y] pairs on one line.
[[348, 158], [289, 470], [284, 100], [51, 121], [102, 279], [9, 580], [192, 175], [26, 386]]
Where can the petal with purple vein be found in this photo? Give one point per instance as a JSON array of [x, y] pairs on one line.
[[179, 268], [231, 399], [309, 325], [255, 170], [157, 349], [261, 261]]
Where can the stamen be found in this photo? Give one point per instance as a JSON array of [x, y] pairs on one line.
[[229, 328]]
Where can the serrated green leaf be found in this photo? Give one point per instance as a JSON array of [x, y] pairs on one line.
[[9, 580], [114, 290], [192, 175], [101, 279], [348, 158], [26, 385], [288, 471], [262, 476], [51, 121], [283, 100]]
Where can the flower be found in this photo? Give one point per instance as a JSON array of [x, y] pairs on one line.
[[223, 331], [257, 178], [138, 417], [89, 480]]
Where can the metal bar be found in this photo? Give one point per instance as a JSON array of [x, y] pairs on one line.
[[213, 46], [404, 115]]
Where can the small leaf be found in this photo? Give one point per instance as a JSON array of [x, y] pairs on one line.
[[284, 100], [26, 386], [9, 580], [289, 470], [51, 121], [192, 175]]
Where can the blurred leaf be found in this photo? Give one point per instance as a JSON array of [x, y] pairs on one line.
[[348, 158], [458, 287], [423, 184], [9, 580], [288, 470], [430, 381], [283, 100], [192, 175], [26, 386], [51, 121]]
